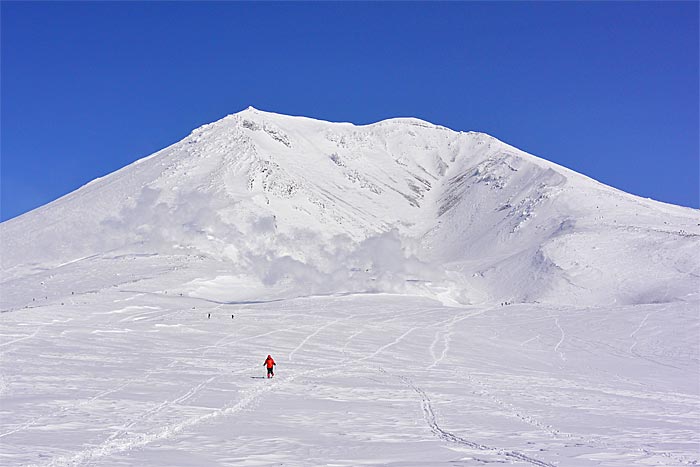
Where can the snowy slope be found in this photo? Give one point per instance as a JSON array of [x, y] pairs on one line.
[[139, 376], [303, 206], [374, 263]]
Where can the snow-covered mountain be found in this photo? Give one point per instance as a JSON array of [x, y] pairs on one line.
[[291, 206], [136, 312]]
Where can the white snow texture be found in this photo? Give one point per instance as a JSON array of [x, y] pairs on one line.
[[431, 297]]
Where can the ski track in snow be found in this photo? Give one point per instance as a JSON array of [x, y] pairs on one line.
[[307, 338], [33, 334], [634, 333], [87, 402], [130, 442], [344, 350], [390, 344], [633, 351], [29, 336], [160, 407], [113, 439], [561, 341], [62, 410], [446, 336], [431, 420], [537, 337], [123, 439], [511, 409]]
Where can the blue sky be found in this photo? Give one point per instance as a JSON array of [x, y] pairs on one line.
[[607, 89]]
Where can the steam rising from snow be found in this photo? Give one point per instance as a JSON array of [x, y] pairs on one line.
[[299, 206], [299, 259]]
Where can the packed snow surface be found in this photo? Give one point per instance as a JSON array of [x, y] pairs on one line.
[[431, 297]]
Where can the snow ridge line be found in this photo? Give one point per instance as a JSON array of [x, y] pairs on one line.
[[431, 419]]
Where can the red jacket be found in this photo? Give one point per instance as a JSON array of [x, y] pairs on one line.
[[269, 362]]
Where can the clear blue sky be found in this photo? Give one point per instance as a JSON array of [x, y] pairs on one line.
[[607, 89]]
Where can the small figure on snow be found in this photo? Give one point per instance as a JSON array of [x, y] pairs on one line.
[[270, 364]]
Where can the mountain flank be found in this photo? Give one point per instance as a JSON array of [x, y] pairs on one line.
[[261, 205]]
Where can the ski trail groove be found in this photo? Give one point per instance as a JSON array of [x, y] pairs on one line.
[[344, 350], [530, 420], [140, 440], [159, 408], [633, 335], [43, 418], [306, 339], [384, 347], [438, 334], [561, 341], [431, 419], [537, 337], [29, 336], [446, 335]]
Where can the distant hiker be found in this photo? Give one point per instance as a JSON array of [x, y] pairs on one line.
[[270, 364], [208, 315]]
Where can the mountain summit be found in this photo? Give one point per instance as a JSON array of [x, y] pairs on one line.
[[259, 205]]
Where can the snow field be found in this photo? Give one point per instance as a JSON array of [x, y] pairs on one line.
[[127, 378]]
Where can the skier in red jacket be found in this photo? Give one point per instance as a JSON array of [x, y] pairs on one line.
[[270, 363]]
